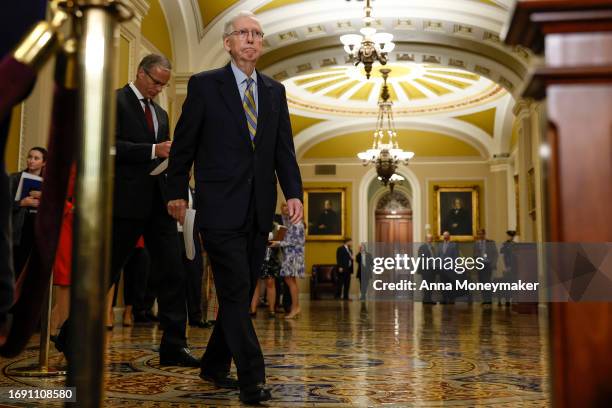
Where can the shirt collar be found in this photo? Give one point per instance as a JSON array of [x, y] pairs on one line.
[[136, 91], [241, 76]]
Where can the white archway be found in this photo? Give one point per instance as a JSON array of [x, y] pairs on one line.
[[416, 202]]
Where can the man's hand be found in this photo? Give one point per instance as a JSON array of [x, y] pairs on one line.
[[162, 150], [296, 210], [35, 194], [177, 209]]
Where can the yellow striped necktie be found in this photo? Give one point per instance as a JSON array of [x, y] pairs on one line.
[[248, 103]]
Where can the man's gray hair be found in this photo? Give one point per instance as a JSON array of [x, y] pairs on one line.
[[153, 60], [228, 27]]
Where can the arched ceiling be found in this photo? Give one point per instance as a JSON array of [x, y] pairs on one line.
[[449, 63]]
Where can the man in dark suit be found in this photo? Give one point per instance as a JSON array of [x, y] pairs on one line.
[[427, 252], [143, 142], [448, 251], [235, 126], [365, 263], [344, 260], [485, 249]]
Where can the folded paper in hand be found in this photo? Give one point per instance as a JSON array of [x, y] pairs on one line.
[[28, 182], [160, 168], [188, 227]]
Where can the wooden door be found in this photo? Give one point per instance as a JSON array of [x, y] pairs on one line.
[[393, 219]]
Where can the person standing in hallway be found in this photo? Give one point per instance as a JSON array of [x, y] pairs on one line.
[[235, 126], [448, 250], [365, 262], [507, 251], [428, 251], [292, 266], [344, 260], [485, 249], [24, 211]]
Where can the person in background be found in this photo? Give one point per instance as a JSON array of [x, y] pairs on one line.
[[364, 269], [344, 260], [485, 249], [292, 266], [448, 250], [24, 210], [428, 251], [62, 267], [509, 257], [270, 270]]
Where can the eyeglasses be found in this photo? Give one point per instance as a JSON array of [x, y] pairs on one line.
[[243, 34], [156, 81]]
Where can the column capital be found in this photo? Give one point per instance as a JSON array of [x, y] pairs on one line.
[[523, 107]]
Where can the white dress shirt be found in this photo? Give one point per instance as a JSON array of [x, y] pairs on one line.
[[142, 105]]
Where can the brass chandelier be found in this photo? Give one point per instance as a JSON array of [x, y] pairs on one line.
[[385, 153], [369, 47]]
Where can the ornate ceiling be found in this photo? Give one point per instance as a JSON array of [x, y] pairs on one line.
[[451, 73], [415, 89]]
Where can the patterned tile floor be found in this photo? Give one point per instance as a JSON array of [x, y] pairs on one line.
[[340, 354]]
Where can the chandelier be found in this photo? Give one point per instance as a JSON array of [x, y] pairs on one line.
[[385, 153], [369, 47]]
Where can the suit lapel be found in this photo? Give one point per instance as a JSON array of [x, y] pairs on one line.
[[231, 97], [264, 100]]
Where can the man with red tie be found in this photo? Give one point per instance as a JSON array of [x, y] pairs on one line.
[[142, 143]]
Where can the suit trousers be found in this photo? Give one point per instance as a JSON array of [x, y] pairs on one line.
[[162, 242], [484, 276], [135, 275], [236, 257], [344, 282], [194, 269]]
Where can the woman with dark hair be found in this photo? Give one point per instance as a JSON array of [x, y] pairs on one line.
[[24, 210]]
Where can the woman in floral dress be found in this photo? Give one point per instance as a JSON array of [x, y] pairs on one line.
[[292, 266]]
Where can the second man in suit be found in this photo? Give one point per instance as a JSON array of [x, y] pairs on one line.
[[344, 260]]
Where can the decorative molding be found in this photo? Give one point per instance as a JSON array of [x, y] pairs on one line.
[[195, 7]]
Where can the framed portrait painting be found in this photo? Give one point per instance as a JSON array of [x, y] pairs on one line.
[[456, 211], [324, 210]]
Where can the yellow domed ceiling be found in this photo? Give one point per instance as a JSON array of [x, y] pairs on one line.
[[415, 89], [422, 143]]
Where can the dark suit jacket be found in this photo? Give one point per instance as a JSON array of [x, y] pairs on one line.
[[364, 266], [134, 188], [212, 130], [490, 250], [427, 253], [18, 213], [452, 250], [344, 260]]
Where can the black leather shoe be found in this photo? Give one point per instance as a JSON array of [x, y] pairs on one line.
[[220, 380], [177, 357], [254, 395]]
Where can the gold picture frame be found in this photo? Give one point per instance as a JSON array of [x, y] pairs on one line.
[[325, 213], [456, 209]]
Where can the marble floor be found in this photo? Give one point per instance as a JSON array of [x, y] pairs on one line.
[[340, 354]]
